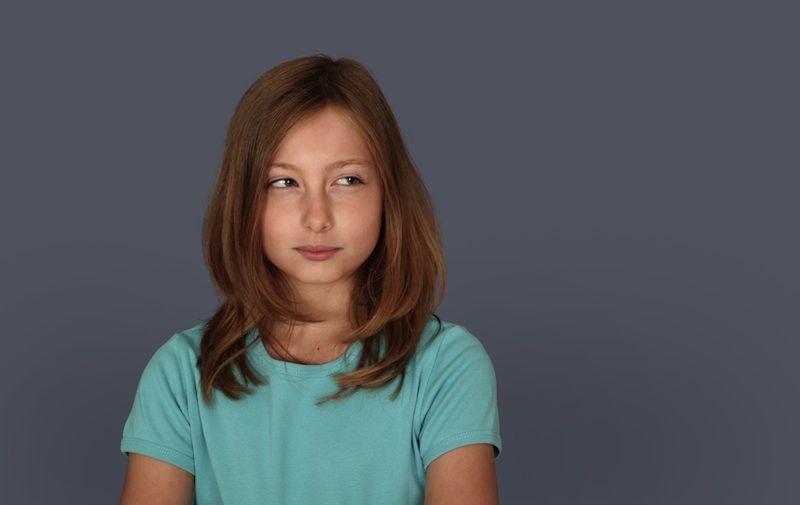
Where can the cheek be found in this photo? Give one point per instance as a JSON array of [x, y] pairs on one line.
[[272, 229], [367, 225]]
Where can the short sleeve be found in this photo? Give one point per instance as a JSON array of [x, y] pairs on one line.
[[158, 424], [459, 403]]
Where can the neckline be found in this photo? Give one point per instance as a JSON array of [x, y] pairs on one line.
[[263, 359]]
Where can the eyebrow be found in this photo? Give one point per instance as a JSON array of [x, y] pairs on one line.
[[335, 164]]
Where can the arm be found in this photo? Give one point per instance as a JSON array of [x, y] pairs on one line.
[[463, 476], [149, 481]]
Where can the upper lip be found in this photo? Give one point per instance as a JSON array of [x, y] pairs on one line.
[[316, 248]]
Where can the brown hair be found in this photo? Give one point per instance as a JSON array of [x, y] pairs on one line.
[[395, 287]]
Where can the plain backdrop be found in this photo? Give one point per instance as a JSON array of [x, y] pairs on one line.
[[617, 185]]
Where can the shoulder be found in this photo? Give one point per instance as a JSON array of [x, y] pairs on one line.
[[177, 355], [187, 341], [449, 342], [457, 400]]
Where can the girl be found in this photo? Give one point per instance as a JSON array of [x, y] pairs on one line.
[[324, 376]]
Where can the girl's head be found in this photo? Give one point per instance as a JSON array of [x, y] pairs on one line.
[[322, 189], [280, 186]]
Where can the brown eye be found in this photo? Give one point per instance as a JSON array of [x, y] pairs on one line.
[[277, 180], [352, 177]]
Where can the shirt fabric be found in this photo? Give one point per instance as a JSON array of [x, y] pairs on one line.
[[275, 446]]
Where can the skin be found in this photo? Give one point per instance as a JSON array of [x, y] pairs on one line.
[[463, 476], [150, 481], [313, 203]]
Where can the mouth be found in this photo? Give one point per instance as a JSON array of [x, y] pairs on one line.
[[316, 249], [320, 255]]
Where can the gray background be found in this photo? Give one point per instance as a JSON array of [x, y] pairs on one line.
[[617, 184]]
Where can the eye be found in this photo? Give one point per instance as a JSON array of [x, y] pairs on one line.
[[339, 179], [351, 177], [278, 180]]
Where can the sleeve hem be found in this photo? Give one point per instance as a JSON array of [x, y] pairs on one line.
[[158, 451], [461, 439]]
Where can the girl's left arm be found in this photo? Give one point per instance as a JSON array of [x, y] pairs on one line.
[[463, 476]]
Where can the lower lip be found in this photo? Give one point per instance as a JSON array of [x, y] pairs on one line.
[[317, 256]]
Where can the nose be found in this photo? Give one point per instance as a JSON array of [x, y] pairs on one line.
[[317, 211]]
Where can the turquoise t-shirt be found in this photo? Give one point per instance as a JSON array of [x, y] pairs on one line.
[[277, 446]]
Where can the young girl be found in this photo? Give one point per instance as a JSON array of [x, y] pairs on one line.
[[324, 376]]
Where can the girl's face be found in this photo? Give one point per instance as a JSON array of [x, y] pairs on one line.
[[322, 189]]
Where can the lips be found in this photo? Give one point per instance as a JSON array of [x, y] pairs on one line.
[[318, 256], [316, 248]]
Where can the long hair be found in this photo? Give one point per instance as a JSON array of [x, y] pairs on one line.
[[395, 288]]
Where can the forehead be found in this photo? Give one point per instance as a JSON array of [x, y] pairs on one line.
[[331, 166], [322, 138]]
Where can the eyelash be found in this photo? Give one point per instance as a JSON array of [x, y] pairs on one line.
[[290, 179]]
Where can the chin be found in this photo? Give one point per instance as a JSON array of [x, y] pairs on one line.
[[319, 276]]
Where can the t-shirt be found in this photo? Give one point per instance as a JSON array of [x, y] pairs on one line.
[[275, 446]]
